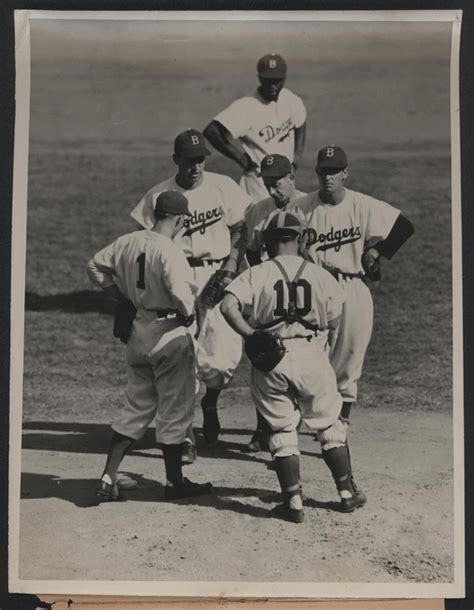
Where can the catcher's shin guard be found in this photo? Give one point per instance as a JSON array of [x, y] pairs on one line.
[[339, 463], [288, 472]]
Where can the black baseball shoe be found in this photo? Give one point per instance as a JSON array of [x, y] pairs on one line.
[[187, 489], [210, 425], [188, 453], [282, 511], [259, 442], [357, 500]]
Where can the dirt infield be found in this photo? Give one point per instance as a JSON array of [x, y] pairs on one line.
[[403, 534]]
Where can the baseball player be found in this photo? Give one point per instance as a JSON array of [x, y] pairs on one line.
[[291, 303], [270, 120], [214, 238], [151, 271], [279, 179], [348, 233]]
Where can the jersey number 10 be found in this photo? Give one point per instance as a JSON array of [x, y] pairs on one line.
[[280, 309]]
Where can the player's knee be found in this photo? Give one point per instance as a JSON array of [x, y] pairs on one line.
[[334, 436], [283, 444]]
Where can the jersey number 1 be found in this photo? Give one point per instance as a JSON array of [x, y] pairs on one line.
[[280, 309], [141, 271]]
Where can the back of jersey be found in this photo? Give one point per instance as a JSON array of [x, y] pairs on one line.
[[264, 295], [144, 262]]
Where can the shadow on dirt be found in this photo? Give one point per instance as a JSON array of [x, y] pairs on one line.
[[81, 493], [73, 437], [82, 301]]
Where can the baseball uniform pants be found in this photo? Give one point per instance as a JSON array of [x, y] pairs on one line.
[[301, 386], [161, 380]]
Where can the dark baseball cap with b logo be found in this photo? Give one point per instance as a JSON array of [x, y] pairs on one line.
[[171, 202], [275, 166], [190, 143], [271, 66], [331, 157]]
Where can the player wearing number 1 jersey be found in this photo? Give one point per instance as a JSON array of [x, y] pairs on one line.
[[343, 226], [151, 271], [299, 301]]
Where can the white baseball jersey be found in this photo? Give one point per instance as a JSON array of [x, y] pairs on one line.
[[265, 127], [257, 216], [341, 232], [263, 295], [216, 204], [149, 269], [153, 273]]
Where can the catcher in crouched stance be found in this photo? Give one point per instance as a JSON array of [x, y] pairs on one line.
[[293, 307]]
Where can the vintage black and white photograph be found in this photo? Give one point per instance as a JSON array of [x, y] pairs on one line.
[[236, 305]]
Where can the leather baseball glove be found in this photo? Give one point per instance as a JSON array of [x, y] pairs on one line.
[[124, 315], [264, 350], [213, 291], [371, 265]]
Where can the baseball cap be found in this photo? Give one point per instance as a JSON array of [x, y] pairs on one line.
[[271, 66], [275, 166], [190, 143], [172, 202], [332, 156], [283, 224]]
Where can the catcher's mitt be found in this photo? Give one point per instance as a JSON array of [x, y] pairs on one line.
[[371, 265], [124, 315], [213, 291], [264, 350]]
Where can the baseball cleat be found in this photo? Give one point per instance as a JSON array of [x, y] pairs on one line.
[[282, 511], [107, 492], [188, 453], [187, 489], [210, 425], [357, 500]]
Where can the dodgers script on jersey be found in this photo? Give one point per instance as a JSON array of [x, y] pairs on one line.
[[215, 204], [257, 217], [265, 127], [338, 234], [263, 295], [149, 269]]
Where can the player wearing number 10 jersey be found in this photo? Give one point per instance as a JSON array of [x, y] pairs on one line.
[[300, 301]]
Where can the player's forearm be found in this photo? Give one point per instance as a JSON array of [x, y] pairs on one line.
[[99, 275], [184, 297], [230, 309], [229, 146], [300, 137], [401, 231], [238, 245]]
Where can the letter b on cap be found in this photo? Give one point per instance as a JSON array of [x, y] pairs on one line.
[[329, 152], [195, 140]]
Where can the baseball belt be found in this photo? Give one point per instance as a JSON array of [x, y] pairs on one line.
[[203, 262]]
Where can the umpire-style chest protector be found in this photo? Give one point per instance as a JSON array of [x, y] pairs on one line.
[[291, 314]]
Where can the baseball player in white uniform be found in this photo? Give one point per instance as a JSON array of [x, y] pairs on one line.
[[151, 271], [214, 237], [299, 301], [346, 228], [270, 120], [279, 179]]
